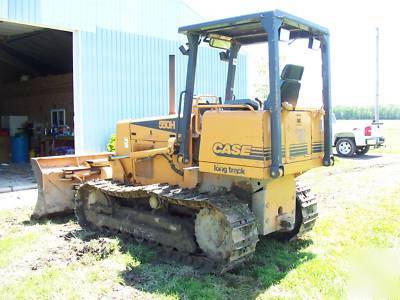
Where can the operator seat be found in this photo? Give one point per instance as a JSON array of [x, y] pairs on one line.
[[290, 85]]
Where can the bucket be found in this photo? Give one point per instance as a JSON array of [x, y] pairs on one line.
[[19, 149]]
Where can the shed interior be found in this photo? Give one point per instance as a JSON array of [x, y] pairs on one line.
[[36, 92]]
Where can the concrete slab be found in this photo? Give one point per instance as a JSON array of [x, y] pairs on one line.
[[16, 177], [18, 199], [24, 187], [5, 189]]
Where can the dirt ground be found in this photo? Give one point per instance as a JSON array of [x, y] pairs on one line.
[[62, 243], [353, 179]]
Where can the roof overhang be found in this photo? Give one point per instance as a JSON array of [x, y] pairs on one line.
[[249, 29]]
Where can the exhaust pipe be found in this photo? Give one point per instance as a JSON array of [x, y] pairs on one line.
[[171, 72]]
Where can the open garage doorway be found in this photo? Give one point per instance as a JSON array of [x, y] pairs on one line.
[[36, 98], [36, 87]]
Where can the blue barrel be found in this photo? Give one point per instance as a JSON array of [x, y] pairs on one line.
[[19, 149]]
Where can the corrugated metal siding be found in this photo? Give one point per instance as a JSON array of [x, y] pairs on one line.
[[4, 9], [58, 14], [120, 82], [121, 63], [24, 10], [156, 18]]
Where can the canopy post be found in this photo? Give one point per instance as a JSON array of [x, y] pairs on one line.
[[230, 81], [184, 127], [326, 97], [271, 25]]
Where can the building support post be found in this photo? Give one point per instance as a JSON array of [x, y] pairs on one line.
[[376, 119], [171, 84]]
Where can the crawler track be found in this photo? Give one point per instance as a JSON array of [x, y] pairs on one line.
[[186, 233], [308, 203], [214, 231]]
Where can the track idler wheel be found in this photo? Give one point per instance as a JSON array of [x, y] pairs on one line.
[[90, 201], [214, 234]]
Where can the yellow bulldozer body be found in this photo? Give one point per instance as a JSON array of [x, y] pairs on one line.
[[234, 152], [213, 177]]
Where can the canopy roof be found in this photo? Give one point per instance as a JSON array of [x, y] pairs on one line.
[[248, 29]]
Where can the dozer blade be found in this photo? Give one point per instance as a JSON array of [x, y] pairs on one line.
[[57, 177]]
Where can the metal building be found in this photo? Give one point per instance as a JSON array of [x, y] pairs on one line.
[[120, 51]]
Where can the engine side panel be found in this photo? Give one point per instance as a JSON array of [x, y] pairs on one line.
[[237, 143]]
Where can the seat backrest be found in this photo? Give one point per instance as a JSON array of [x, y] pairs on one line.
[[290, 85], [292, 72]]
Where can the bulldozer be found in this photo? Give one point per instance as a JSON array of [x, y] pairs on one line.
[[213, 178]]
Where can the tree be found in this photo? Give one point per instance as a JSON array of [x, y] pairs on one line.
[[386, 112]]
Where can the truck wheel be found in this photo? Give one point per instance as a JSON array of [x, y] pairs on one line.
[[345, 147], [362, 150]]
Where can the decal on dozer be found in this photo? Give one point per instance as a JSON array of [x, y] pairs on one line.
[[168, 124], [300, 149], [317, 147], [241, 151], [229, 170]]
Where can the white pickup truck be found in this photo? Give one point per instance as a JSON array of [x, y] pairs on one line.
[[351, 139]]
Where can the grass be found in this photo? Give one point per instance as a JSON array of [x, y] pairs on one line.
[[51, 283], [353, 252], [319, 266], [336, 240], [392, 136], [391, 131], [13, 247]]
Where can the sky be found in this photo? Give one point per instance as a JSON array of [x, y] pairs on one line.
[[352, 25]]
